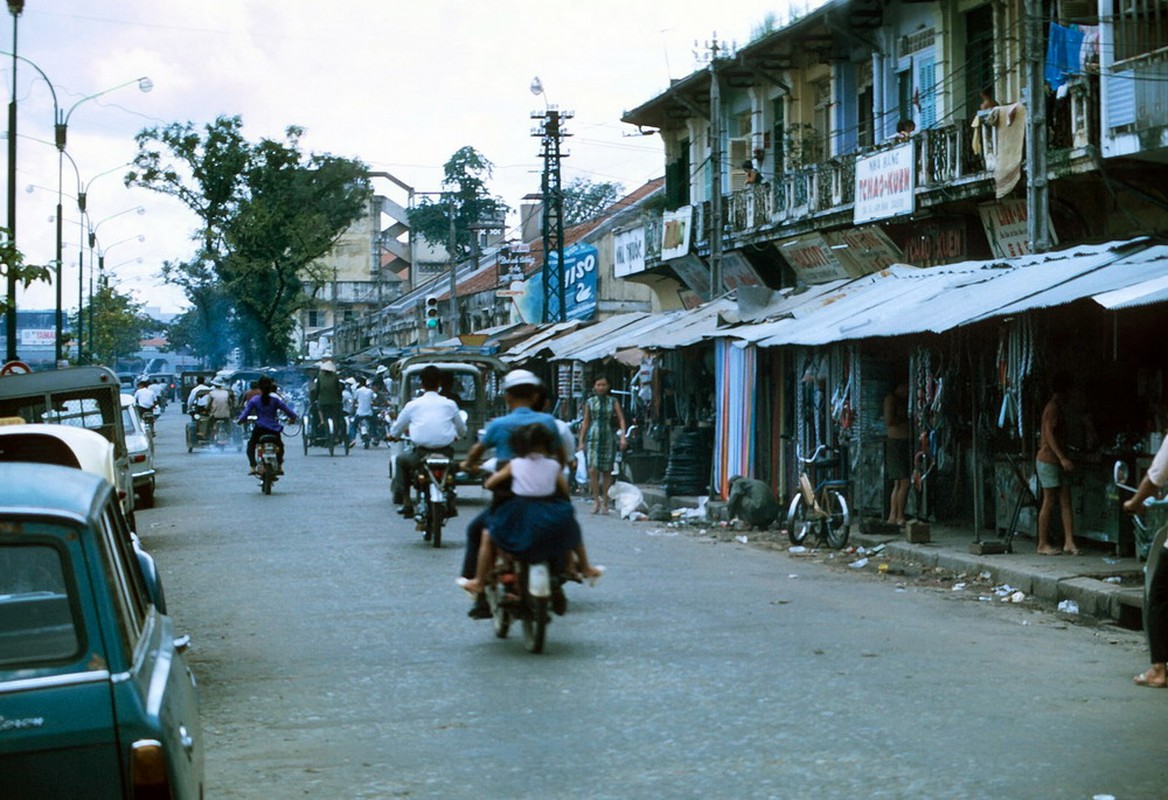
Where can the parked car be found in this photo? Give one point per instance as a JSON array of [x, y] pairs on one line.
[[78, 397], [98, 700], [84, 450], [140, 446]]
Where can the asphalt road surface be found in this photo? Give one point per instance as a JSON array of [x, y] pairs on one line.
[[335, 660]]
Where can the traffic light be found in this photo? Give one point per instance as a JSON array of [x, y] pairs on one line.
[[433, 320]]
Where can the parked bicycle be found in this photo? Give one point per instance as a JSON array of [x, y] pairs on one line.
[[822, 510]]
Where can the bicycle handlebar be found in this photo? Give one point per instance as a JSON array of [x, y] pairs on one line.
[[815, 456]]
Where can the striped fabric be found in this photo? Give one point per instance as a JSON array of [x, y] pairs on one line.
[[736, 374]]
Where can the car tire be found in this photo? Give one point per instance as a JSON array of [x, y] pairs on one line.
[[146, 495]]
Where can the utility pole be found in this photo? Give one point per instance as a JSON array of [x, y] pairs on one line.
[[15, 8], [1037, 192], [715, 173], [550, 132], [453, 270]]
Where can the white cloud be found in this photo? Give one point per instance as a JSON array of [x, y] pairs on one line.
[[398, 84]]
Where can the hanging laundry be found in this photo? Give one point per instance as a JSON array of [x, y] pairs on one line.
[[1010, 122], [1062, 53]]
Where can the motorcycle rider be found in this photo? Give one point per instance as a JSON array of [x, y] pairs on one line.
[[194, 399], [433, 423], [145, 400], [265, 407], [521, 390], [326, 395], [362, 409], [219, 407]]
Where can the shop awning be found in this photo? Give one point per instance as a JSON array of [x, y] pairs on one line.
[[904, 300], [532, 345], [599, 333]]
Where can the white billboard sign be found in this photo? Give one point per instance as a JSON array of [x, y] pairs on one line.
[[885, 183]]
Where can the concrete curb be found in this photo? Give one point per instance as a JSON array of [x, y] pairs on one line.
[[1050, 579]]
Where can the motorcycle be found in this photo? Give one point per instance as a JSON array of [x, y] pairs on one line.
[[365, 431], [517, 590], [1148, 541], [434, 498], [267, 462]]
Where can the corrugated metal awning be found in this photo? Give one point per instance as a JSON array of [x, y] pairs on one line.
[[904, 300]]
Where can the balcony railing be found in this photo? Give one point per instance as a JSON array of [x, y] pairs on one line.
[[944, 157]]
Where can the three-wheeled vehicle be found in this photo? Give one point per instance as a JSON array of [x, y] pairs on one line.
[[473, 384]]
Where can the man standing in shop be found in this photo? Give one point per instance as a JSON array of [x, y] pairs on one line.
[[1053, 467]]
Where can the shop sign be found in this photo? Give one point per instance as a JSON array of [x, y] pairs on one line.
[[936, 242], [693, 273], [628, 252], [38, 337], [737, 271], [885, 182], [1006, 224], [863, 250], [579, 275], [676, 227], [812, 259]]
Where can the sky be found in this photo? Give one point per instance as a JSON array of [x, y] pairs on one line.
[[398, 84]]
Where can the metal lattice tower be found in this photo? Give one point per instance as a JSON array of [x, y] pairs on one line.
[[551, 132]]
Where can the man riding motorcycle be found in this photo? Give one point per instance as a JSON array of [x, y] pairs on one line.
[[362, 409], [433, 423]]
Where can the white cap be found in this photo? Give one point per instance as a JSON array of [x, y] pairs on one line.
[[520, 377]]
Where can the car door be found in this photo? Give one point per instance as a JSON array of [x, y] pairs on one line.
[[157, 699], [57, 733]]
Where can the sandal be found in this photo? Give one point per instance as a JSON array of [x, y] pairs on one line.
[[1142, 680]]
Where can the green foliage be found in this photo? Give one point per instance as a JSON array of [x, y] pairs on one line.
[[268, 213], [465, 196], [118, 325], [12, 263], [584, 199]]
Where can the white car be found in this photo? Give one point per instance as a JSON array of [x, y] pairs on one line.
[[140, 445]]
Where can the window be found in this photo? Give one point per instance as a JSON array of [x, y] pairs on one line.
[[822, 147], [39, 615], [315, 318], [1141, 27]]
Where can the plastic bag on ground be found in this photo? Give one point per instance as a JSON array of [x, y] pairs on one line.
[[627, 498]]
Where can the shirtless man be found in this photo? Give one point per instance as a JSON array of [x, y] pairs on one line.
[[1053, 467], [897, 451]]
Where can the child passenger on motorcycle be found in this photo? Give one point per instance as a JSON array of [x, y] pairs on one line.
[[265, 407], [539, 524]]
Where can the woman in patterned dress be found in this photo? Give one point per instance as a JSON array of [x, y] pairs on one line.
[[602, 414]]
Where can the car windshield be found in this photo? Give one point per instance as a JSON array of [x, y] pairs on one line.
[[128, 421], [38, 612]]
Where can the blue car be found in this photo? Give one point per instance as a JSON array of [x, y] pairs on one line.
[[96, 698]]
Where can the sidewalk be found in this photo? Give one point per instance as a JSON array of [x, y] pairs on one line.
[[1048, 578]]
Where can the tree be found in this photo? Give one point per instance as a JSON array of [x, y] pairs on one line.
[[465, 196], [584, 199], [267, 214], [118, 325], [12, 263]]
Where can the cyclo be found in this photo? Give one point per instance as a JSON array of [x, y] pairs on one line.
[[324, 423]]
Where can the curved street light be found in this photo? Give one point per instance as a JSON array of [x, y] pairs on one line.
[[60, 134]]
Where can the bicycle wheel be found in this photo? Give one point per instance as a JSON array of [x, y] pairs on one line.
[[800, 521], [838, 520], [332, 436]]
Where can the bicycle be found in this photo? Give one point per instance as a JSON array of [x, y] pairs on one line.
[[822, 509]]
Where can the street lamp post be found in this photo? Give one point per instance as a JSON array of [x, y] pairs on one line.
[[93, 242], [60, 135], [15, 8]]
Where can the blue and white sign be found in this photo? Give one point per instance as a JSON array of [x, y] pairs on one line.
[[581, 262]]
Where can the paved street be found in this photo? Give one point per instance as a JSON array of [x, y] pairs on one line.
[[335, 660]]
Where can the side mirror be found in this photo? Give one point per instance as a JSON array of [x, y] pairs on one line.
[[1119, 473]]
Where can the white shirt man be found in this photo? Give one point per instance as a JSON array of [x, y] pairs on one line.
[[144, 398], [433, 421], [363, 399]]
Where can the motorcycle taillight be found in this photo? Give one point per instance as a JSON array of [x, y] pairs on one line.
[[439, 472]]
